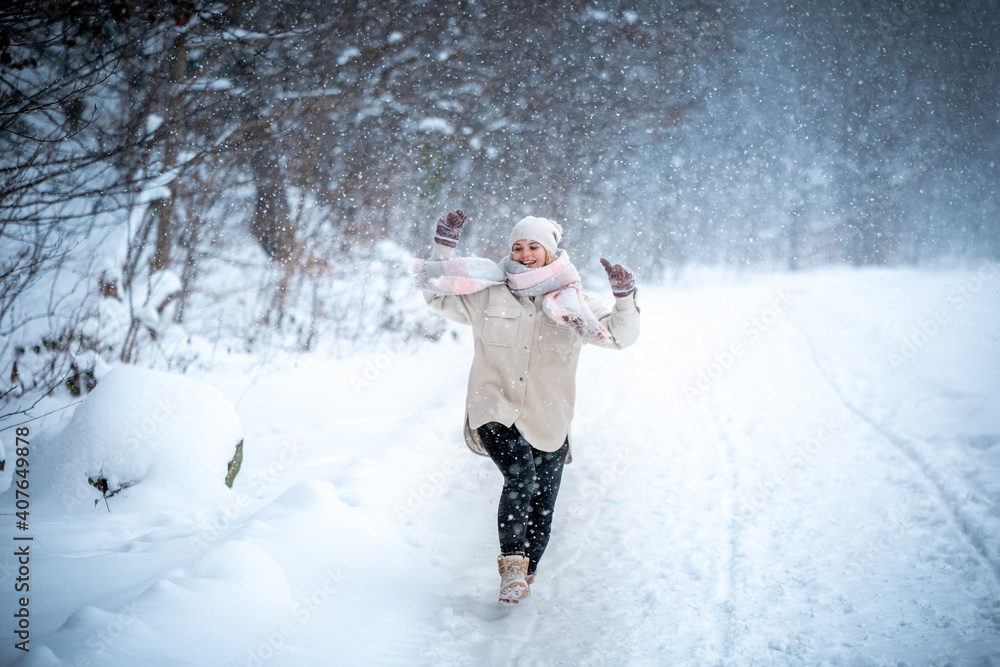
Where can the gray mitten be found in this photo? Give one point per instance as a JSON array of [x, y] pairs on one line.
[[449, 228], [622, 279]]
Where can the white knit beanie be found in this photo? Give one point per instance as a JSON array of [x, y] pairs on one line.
[[544, 231]]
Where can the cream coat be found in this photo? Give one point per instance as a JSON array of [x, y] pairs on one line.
[[524, 369]]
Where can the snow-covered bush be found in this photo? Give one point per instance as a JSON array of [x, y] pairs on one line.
[[152, 440]]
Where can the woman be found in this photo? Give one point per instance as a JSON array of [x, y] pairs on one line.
[[529, 320]]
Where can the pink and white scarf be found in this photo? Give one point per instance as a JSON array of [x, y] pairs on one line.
[[557, 283]]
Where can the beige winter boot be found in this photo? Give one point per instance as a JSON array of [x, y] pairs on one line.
[[513, 587]]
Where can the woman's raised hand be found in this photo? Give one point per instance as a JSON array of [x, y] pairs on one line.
[[449, 228], [621, 278]]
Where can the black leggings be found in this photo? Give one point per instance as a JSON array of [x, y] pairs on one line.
[[530, 484]]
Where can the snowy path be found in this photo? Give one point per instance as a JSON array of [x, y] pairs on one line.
[[755, 483]]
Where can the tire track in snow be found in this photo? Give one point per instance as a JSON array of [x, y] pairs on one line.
[[963, 521], [728, 546]]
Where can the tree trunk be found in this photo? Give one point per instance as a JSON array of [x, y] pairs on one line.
[[166, 208], [272, 224]]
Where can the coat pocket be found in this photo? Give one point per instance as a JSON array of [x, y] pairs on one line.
[[557, 339], [500, 326]]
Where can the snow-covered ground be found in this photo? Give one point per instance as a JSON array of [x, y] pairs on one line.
[[785, 470]]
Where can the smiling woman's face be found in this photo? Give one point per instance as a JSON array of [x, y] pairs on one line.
[[527, 252]]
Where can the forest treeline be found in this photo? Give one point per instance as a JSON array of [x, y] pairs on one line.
[[145, 142]]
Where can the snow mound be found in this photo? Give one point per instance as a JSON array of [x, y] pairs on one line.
[[147, 439]]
